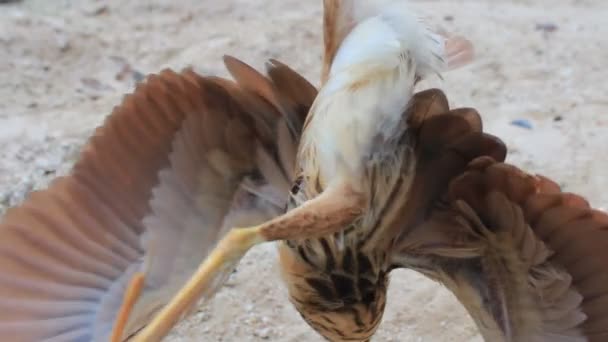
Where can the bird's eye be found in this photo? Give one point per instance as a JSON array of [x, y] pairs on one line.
[[296, 186]]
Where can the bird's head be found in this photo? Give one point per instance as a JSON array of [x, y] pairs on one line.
[[339, 305], [357, 322]]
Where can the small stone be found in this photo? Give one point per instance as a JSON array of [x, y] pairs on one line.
[[96, 10], [138, 77], [63, 43], [263, 333], [523, 123], [94, 84], [546, 27]]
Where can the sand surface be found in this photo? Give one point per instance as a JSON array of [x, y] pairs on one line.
[[65, 63]]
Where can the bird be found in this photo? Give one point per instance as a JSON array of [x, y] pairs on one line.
[[353, 180], [344, 176]]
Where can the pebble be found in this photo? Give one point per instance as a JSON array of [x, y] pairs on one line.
[[523, 123], [263, 333], [546, 27]]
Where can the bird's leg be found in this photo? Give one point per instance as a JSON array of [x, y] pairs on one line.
[[209, 276], [330, 212], [131, 295]]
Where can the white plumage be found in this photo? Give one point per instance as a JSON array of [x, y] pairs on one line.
[[370, 82]]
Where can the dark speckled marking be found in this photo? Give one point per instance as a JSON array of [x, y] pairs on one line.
[[325, 290], [348, 262], [330, 261], [303, 255], [296, 186], [345, 286], [365, 266]]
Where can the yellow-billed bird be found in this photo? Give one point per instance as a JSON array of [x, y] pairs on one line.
[[373, 176]]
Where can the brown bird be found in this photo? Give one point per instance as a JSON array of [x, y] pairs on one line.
[[374, 178], [354, 155]]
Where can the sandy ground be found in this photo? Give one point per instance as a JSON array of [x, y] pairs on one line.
[[64, 65]]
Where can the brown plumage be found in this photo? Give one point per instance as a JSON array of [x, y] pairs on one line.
[[181, 159], [526, 260], [110, 248], [339, 282]]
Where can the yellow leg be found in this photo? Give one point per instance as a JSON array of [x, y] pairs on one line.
[[207, 277], [131, 295], [329, 212]]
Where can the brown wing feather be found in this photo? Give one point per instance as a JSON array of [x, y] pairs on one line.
[[295, 91], [578, 235], [540, 300], [154, 188], [467, 205], [445, 141]]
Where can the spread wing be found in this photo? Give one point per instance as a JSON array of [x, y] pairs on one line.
[[528, 261], [180, 160]]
